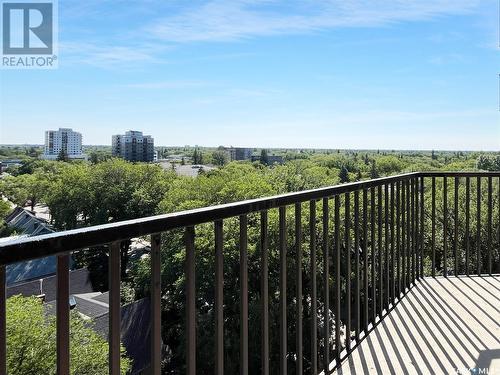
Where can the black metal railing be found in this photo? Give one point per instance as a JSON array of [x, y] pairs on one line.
[[376, 238]]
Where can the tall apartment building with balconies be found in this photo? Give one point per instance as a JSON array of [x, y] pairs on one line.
[[133, 146], [65, 142]]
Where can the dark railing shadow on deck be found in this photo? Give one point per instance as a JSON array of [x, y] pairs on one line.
[[442, 323], [495, 283], [356, 345]]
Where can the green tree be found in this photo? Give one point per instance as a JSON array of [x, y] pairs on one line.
[[110, 191], [264, 158], [219, 157], [63, 155], [387, 165], [373, 170], [344, 175], [5, 209], [31, 342], [26, 188], [197, 156]]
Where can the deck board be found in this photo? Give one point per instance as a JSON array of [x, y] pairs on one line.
[[442, 326]]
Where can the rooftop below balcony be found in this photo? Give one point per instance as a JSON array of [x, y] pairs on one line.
[[442, 325]]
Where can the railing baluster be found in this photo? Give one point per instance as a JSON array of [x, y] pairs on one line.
[[398, 240], [243, 294], [314, 302], [455, 235], [408, 234], [380, 245], [338, 345], [490, 220], [219, 297], [347, 232], [264, 269], [393, 262], [365, 258], [326, 278], [298, 281], [414, 223], [386, 246], [114, 308], [3, 322], [356, 265], [478, 221], [403, 237], [445, 227], [467, 221], [417, 230], [373, 250], [155, 304], [190, 301], [283, 323], [422, 228], [433, 226], [62, 326]]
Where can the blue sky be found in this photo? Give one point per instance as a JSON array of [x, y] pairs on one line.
[[388, 74]]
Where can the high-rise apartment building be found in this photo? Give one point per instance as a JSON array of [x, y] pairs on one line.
[[133, 146], [63, 142]]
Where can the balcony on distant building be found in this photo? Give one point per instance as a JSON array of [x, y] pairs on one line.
[[393, 275]]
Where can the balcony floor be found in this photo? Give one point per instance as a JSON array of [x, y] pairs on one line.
[[440, 326]]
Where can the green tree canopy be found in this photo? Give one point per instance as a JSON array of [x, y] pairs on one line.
[[219, 157], [264, 158], [31, 342]]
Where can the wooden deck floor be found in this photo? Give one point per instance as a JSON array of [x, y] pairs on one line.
[[442, 326]]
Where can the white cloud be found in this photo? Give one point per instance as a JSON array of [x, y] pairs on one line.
[[109, 55], [168, 85], [450, 58], [222, 20]]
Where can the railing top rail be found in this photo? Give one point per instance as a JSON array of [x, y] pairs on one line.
[[62, 242], [458, 174]]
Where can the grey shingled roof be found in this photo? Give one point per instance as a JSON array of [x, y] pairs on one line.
[[90, 308], [135, 332], [104, 297], [79, 282], [25, 221]]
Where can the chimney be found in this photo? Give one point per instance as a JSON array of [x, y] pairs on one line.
[[41, 296]]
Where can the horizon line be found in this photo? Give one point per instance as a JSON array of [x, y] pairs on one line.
[[277, 148]]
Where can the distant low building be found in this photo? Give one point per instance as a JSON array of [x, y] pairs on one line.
[[240, 153], [133, 146], [65, 142], [271, 159], [6, 163]]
